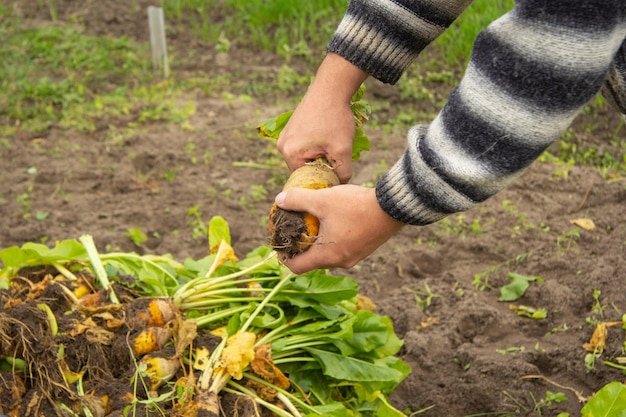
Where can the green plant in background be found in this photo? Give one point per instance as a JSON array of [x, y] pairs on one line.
[[551, 399], [455, 44], [57, 75], [286, 27], [597, 307], [61, 68], [530, 312], [511, 350], [518, 286], [25, 199], [567, 239], [137, 235], [481, 279], [255, 194], [198, 227], [424, 297], [457, 226]]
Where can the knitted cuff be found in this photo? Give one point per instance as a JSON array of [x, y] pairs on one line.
[[382, 38], [368, 57]]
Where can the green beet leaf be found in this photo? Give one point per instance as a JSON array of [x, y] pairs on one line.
[[518, 286], [331, 410], [370, 333], [33, 254], [361, 143], [218, 231], [325, 289], [610, 401], [350, 369]]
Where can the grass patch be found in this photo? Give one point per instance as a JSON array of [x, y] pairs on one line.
[[286, 27], [455, 44], [58, 75], [50, 70]]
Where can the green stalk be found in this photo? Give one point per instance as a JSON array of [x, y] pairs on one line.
[[308, 343], [614, 365], [205, 378], [196, 286], [221, 314], [228, 290], [215, 293], [96, 263], [64, 271], [276, 333], [216, 382], [204, 304], [52, 320], [266, 300], [291, 359]]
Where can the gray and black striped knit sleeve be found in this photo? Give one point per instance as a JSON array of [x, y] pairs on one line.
[[383, 37], [530, 74]]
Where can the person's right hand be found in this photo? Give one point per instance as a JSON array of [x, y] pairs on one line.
[[323, 125]]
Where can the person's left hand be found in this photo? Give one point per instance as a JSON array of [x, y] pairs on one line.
[[352, 225]]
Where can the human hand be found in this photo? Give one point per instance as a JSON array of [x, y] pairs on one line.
[[323, 125], [319, 127], [345, 237]]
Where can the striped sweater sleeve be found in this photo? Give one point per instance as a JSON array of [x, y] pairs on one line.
[[383, 37], [530, 74]]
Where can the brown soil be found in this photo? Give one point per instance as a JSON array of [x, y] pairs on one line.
[[470, 353]]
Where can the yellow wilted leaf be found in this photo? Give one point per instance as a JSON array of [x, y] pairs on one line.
[[597, 343], [364, 303], [112, 323], [220, 332], [70, 376], [225, 253], [201, 359], [238, 353], [430, 321], [598, 339], [586, 224], [185, 333]]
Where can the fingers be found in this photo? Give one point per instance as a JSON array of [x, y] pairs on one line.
[[343, 170], [297, 199], [304, 262], [301, 199], [342, 167]]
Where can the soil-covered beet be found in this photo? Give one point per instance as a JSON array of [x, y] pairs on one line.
[[470, 353]]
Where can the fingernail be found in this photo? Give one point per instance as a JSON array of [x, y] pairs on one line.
[[280, 197]]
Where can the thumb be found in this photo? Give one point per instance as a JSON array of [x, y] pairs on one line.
[[295, 199]]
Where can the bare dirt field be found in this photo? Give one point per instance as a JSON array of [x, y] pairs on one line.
[[470, 353]]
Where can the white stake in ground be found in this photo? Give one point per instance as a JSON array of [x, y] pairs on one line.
[[157, 39]]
